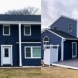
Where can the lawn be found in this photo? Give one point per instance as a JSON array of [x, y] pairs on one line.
[[44, 72], [58, 72], [20, 73]]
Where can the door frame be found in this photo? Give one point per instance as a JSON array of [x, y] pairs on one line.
[[72, 50], [2, 53]]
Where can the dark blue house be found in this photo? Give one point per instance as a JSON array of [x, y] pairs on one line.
[[20, 40], [64, 32]]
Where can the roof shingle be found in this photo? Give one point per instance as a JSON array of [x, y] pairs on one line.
[[20, 18]]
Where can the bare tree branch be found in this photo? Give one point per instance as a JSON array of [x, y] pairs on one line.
[[25, 11]]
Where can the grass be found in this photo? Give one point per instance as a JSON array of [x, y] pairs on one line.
[[44, 72], [20, 73], [58, 72]]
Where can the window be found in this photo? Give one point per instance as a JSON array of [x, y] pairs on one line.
[[27, 30], [6, 30], [55, 28], [36, 52], [70, 27], [6, 54], [28, 52], [46, 40], [33, 52]]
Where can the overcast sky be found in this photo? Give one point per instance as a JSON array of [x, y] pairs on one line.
[[53, 9], [6, 5]]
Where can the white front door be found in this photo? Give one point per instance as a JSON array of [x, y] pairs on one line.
[[74, 49], [6, 54]]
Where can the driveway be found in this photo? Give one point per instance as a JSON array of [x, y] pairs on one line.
[[73, 63]]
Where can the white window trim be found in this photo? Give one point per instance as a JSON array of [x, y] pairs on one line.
[[24, 30], [72, 50], [45, 41], [31, 47], [68, 28], [3, 30], [2, 55]]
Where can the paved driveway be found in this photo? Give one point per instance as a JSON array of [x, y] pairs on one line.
[[73, 63]]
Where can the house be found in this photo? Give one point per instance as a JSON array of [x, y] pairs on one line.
[[20, 40], [63, 32]]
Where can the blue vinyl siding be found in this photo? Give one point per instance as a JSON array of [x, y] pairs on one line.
[[53, 39], [68, 49], [35, 33], [63, 23], [14, 37], [30, 62], [11, 40]]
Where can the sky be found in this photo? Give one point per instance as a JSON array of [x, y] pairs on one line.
[[51, 10], [6, 5]]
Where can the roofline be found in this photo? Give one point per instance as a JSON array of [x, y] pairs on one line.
[[22, 22], [58, 35], [70, 39], [69, 17], [65, 17], [19, 15], [55, 21], [44, 30], [53, 33]]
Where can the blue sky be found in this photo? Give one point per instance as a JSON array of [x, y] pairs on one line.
[[6, 5], [53, 9]]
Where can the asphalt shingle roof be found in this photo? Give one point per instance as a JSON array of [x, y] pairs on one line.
[[63, 34], [20, 18]]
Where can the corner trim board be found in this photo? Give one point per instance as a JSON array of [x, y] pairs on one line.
[[77, 29], [62, 49]]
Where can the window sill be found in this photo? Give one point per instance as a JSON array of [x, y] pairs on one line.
[[6, 35], [27, 35]]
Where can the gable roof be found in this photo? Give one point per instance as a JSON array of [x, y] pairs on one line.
[[20, 18], [63, 34], [64, 17]]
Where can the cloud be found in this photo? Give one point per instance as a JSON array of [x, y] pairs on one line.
[[6, 5], [52, 9]]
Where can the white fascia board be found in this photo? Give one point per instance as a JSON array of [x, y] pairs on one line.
[[71, 39], [22, 22], [56, 34], [44, 30], [53, 33], [77, 29]]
